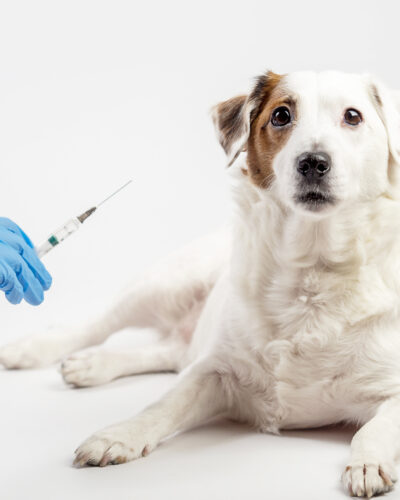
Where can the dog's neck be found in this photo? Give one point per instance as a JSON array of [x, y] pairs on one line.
[[332, 241], [280, 236]]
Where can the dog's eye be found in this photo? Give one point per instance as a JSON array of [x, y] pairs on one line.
[[352, 117], [280, 116]]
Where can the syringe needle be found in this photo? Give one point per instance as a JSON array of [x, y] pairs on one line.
[[89, 212], [114, 193]]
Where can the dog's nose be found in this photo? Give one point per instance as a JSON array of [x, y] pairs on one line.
[[313, 165]]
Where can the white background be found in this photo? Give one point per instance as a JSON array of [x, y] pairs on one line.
[[93, 93]]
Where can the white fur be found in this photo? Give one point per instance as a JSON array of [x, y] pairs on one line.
[[291, 320]]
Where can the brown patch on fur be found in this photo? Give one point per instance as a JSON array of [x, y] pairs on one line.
[[265, 141], [265, 85], [247, 119]]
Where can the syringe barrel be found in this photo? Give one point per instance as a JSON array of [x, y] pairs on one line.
[[58, 236]]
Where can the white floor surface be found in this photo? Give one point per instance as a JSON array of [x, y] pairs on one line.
[[43, 421]]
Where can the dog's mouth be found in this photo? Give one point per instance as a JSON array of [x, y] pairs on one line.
[[315, 200]]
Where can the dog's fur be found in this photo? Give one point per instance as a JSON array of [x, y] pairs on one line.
[[292, 320]]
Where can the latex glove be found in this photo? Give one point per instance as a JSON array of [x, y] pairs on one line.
[[22, 274]]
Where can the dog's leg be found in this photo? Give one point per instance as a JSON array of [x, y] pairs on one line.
[[161, 300], [161, 308], [99, 366], [54, 344], [197, 397], [157, 305], [374, 449]]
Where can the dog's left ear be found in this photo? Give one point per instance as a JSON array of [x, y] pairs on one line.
[[233, 118], [387, 104]]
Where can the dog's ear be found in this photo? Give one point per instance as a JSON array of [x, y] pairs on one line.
[[232, 123], [233, 118], [387, 104]]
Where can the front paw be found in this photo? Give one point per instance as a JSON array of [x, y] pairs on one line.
[[115, 445], [368, 479]]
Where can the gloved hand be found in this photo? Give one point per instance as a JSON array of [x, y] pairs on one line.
[[22, 274]]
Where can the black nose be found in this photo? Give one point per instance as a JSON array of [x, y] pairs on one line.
[[313, 165]]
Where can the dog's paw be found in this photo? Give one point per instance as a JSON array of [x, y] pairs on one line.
[[88, 368], [368, 479], [33, 352], [114, 445]]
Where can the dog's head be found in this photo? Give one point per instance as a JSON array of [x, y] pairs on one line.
[[322, 140]]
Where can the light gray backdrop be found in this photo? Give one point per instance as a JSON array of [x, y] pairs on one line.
[[93, 93]]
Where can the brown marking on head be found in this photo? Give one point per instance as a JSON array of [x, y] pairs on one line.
[[243, 123], [265, 141]]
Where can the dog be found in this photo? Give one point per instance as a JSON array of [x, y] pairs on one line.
[[291, 319]]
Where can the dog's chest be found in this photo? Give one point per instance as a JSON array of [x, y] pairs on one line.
[[324, 304], [320, 324]]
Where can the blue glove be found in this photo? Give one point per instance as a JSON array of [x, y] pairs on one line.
[[22, 274]]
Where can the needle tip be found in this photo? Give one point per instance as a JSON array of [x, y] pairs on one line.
[[115, 192]]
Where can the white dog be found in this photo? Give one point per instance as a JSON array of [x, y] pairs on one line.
[[292, 320]]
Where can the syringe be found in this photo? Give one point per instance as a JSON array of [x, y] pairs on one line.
[[71, 226]]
